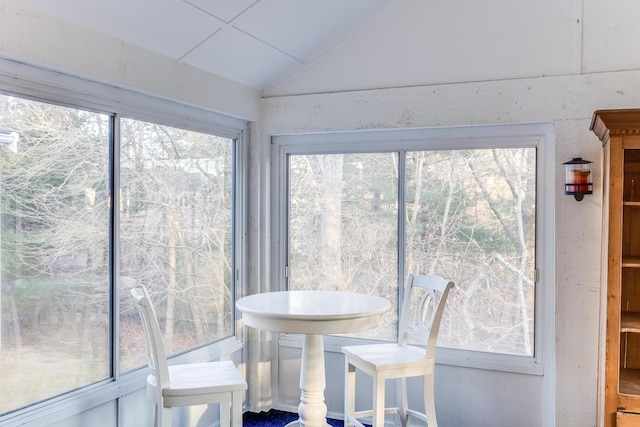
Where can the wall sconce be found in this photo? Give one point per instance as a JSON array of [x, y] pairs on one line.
[[578, 178]]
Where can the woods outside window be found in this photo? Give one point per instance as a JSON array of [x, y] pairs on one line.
[[93, 204], [363, 216]]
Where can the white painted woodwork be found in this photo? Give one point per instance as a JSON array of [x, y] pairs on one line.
[[186, 384], [312, 313], [414, 355], [601, 72]]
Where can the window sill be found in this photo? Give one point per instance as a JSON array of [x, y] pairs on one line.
[[445, 356]]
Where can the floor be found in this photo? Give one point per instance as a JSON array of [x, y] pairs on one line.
[[275, 418]]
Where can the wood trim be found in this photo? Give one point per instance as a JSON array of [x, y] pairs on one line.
[[624, 419], [618, 130], [630, 322], [615, 122], [614, 280]]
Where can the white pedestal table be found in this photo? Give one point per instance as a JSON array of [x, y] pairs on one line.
[[312, 313]]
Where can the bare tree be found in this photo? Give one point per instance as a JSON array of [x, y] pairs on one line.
[[469, 217]]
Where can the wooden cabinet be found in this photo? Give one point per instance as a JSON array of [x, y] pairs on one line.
[[627, 419], [619, 130]]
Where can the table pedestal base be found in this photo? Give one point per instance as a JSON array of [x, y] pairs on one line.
[[312, 409], [313, 313]]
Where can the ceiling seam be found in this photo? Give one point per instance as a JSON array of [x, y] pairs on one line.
[[199, 44], [269, 44]]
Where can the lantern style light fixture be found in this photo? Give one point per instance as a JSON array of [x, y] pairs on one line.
[[578, 178]]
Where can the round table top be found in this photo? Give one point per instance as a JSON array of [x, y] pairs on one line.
[[312, 312]]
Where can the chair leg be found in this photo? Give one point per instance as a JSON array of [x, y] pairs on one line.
[[236, 408], [349, 392], [162, 416], [378, 401], [402, 401], [157, 415], [429, 400], [225, 414]]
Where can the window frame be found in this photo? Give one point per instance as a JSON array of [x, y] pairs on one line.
[[49, 86], [537, 135]]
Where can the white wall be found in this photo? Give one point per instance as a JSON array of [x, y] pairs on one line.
[[488, 398], [423, 64], [40, 40], [566, 101], [557, 62], [417, 42]]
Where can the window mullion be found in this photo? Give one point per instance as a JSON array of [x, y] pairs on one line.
[[402, 223], [114, 252]]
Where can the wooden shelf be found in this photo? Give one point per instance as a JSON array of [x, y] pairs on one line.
[[633, 204], [629, 382], [631, 261], [630, 322]]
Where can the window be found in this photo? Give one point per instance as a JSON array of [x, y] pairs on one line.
[[67, 251], [384, 204], [343, 225], [176, 235], [470, 217], [54, 184]]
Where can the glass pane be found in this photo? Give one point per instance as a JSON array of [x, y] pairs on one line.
[[471, 218], [175, 235], [54, 187], [343, 226]]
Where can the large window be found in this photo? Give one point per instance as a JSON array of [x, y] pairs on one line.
[[176, 234], [54, 188], [343, 225], [91, 205], [470, 217], [363, 216]]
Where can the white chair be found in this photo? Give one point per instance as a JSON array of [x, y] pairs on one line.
[[419, 324], [187, 384]]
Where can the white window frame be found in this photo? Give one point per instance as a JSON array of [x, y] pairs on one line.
[[28, 81], [538, 135]]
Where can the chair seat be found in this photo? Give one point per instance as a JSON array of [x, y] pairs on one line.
[[388, 357], [200, 379]]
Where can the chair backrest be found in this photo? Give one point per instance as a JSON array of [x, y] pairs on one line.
[[155, 348], [423, 303]]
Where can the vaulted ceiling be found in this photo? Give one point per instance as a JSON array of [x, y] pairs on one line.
[[253, 42], [294, 47]]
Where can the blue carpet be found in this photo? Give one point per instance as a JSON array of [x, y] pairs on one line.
[[275, 418]]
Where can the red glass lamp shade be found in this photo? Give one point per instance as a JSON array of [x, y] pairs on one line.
[[578, 178]]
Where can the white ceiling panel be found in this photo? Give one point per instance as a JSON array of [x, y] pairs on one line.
[[413, 43], [167, 27], [303, 28], [225, 10], [253, 42], [239, 57]]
